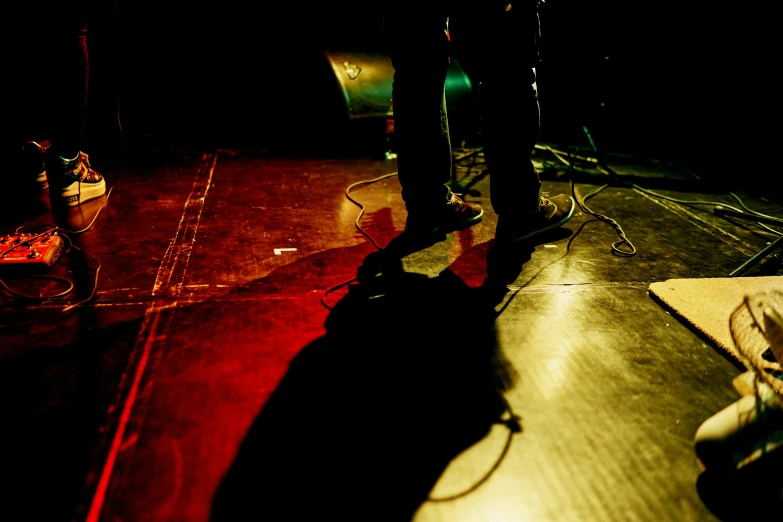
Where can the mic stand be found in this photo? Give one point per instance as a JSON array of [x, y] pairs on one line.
[[723, 211]]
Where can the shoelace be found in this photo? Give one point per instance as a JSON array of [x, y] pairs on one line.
[[88, 175], [457, 201], [544, 201]]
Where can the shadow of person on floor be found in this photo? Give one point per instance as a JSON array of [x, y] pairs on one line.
[[369, 415], [502, 263], [26, 198], [751, 494], [59, 375], [505, 262], [59, 365]]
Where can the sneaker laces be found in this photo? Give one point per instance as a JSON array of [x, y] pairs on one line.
[[86, 173], [544, 201], [84, 158], [457, 201]]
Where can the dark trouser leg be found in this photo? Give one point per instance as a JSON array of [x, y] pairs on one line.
[[68, 80], [498, 50], [420, 55], [510, 126], [50, 70]]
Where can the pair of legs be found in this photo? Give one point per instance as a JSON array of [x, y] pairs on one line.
[[50, 68], [47, 106], [497, 46]]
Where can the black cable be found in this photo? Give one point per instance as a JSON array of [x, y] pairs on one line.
[[65, 292], [601, 166], [704, 202], [68, 307], [527, 283], [512, 422], [748, 210], [490, 471], [55, 228], [31, 238], [605, 219], [472, 153], [359, 228], [361, 213], [64, 234], [582, 205], [601, 217], [462, 154], [62, 294], [476, 157], [608, 171]]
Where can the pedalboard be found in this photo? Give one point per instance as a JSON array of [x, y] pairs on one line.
[[30, 250]]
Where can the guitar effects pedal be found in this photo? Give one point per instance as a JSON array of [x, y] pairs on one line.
[[32, 250]]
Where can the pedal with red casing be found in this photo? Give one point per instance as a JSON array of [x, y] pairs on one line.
[[31, 250]]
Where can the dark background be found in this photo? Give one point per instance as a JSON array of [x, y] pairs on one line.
[[673, 81]]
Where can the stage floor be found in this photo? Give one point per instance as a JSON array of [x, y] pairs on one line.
[[224, 361]]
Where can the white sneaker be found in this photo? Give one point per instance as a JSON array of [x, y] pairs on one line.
[[76, 182]]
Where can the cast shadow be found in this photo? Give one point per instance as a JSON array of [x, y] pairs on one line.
[[58, 377], [741, 496], [25, 199], [505, 263], [369, 415], [60, 364]]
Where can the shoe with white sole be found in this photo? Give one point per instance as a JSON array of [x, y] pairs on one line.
[[73, 181]]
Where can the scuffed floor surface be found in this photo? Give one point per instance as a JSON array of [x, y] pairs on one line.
[[249, 353]]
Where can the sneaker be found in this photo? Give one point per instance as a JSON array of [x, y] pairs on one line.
[[749, 431], [455, 215], [76, 182], [34, 155], [552, 213]]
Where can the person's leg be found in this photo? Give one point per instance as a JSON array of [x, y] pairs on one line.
[[27, 114], [494, 46], [67, 77], [419, 53], [498, 46], [49, 61], [419, 47]]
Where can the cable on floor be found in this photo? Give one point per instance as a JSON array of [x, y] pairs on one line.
[[629, 249], [66, 248], [605, 169], [458, 156], [358, 227], [513, 428], [512, 422], [710, 203]]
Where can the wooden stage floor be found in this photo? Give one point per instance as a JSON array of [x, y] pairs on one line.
[[222, 369]]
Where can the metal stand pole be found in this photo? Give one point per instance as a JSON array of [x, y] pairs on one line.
[[722, 211]]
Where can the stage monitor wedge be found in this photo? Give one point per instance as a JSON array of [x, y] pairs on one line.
[[365, 83]]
